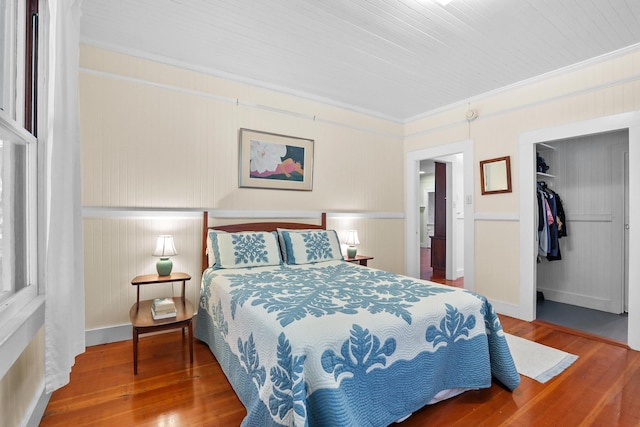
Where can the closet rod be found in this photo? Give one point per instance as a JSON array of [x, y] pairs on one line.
[[551, 147]]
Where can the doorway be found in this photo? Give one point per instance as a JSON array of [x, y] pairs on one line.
[[442, 229], [435, 180], [427, 196], [528, 226], [463, 240], [584, 282]]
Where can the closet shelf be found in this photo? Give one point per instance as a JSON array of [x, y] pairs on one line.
[[546, 146], [546, 175]]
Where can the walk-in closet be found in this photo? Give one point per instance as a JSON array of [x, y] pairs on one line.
[[582, 189]]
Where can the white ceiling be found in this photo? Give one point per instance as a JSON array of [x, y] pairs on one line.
[[396, 59]]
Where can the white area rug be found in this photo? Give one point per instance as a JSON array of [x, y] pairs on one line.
[[538, 361]]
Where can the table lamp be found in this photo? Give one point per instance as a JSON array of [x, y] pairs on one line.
[[164, 249], [352, 240]]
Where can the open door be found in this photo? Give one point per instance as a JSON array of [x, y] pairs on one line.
[[439, 238]]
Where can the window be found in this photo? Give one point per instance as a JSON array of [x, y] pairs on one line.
[[17, 213], [4, 54], [18, 154]]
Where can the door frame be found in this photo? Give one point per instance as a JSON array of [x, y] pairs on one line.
[[527, 182], [625, 301], [412, 223]]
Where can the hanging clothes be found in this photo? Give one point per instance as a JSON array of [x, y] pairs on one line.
[[552, 224]]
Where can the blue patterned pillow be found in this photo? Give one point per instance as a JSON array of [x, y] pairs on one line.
[[246, 249], [211, 256], [283, 247], [305, 247]]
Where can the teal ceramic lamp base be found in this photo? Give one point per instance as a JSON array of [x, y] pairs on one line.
[[351, 251], [164, 266]]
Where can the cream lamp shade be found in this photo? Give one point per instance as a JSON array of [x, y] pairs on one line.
[[164, 249], [351, 241]]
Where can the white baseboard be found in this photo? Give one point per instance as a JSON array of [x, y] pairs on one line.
[[38, 409], [580, 300], [108, 335], [113, 334], [506, 308]]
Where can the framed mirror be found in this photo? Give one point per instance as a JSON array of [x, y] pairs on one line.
[[495, 175]]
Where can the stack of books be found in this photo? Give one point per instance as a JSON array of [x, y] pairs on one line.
[[163, 308]]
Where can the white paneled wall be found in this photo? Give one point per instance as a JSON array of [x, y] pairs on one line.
[[376, 237], [155, 136], [117, 250], [158, 137]]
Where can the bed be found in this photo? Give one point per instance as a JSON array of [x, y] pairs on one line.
[[307, 339]]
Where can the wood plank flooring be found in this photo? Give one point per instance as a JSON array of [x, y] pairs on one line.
[[602, 388], [426, 272]]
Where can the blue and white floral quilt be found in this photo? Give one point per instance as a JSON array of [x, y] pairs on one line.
[[337, 344]]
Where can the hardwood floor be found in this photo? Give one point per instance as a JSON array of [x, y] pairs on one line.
[[426, 272], [602, 388]]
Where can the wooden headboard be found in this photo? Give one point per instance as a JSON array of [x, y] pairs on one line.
[[252, 226]]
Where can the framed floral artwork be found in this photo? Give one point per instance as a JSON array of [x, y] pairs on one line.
[[270, 160]]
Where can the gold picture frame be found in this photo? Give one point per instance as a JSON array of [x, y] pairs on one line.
[[274, 161]]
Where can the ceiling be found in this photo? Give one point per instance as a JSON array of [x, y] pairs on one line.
[[396, 59]]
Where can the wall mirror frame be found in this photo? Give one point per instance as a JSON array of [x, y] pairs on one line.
[[495, 175]]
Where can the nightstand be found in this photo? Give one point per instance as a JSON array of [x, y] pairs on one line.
[[359, 259], [143, 322]]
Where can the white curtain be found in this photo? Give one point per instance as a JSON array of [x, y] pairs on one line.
[[63, 257]]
